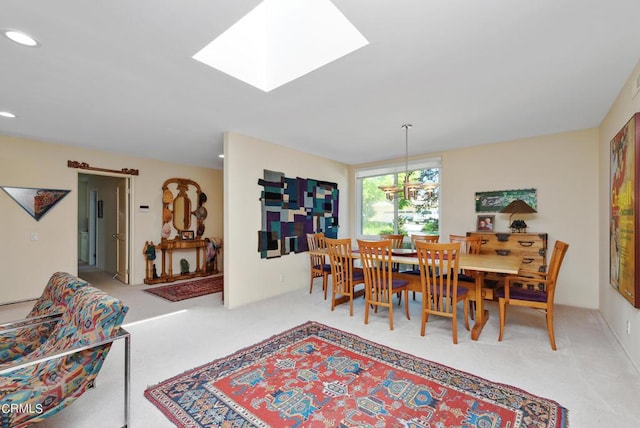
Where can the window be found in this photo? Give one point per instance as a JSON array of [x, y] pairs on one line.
[[377, 214]]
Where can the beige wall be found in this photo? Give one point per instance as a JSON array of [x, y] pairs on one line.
[[27, 265], [563, 169], [616, 310], [251, 277]]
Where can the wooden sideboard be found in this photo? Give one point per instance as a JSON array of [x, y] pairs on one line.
[[531, 247]]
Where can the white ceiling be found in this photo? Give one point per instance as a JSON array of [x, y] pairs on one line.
[[119, 76]]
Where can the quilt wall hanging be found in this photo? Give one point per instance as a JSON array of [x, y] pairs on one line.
[[35, 201], [293, 207]]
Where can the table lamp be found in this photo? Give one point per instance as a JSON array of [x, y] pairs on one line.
[[518, 207]]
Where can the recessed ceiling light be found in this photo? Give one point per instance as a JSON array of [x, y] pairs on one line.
[[21, 38], [282, 40], [7, 114], [221, 156]]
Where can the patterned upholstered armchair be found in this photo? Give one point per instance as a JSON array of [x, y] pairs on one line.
[[51, 376], [20, 338]]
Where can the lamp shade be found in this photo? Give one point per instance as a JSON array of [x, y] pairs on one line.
[[518, 207]]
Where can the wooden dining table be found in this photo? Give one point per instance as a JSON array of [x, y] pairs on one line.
[[481, 263]]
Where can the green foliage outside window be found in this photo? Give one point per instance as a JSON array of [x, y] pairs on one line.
[[379, 215]]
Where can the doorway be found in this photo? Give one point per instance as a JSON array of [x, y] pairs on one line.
[[103, 225]]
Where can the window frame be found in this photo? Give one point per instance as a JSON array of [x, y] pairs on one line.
[[391, 168]]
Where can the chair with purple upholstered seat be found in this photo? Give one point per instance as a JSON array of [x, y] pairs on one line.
[[378, 278], [419, 237], [319, 267], [344, 277], [440, 292], [397, 240], [539, 295], [467, 278]]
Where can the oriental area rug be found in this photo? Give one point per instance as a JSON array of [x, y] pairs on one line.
[[190, 289], [317, 376]]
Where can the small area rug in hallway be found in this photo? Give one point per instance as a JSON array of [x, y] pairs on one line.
[[317, 376], [187, 290]]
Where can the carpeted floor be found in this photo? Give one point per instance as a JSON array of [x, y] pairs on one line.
[[189, 289], [317, 376]]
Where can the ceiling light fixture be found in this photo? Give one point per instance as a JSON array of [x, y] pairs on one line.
[[7, 114], [410, 190], [21, 38]]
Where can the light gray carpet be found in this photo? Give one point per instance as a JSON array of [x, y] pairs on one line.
[[589, 373]]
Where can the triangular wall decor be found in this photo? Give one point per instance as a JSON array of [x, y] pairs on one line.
[[35, 201]]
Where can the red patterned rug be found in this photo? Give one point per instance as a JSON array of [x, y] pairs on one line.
[[187, 290], [316, 376]]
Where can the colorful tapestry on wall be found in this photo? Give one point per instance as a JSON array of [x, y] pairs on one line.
[[293, 207], [624, 259]]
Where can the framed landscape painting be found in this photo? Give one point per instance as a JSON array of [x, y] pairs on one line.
[[494, 201], [624, 251]]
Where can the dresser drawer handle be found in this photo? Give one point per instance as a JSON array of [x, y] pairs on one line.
[[502, 237], [503, 252], [527, 260], [484, 241], [526, 243]]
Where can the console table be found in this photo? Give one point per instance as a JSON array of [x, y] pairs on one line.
[[178, 217], [167, 247]]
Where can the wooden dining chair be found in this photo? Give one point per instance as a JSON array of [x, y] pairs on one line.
[[319, 265], [344, 277], [397, 240], [378, 278], [468, 245], [539, 296], [441, 293], [419, 237]]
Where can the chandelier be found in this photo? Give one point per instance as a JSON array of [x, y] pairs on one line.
[[412, 191]]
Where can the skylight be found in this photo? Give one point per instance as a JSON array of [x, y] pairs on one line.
[[282, 40]]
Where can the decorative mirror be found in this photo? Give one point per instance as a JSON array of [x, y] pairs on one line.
[[178, 196], [182, 213]]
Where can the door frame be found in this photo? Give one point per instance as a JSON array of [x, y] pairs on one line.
[[130, 217], [123, 276], [93, 245]]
